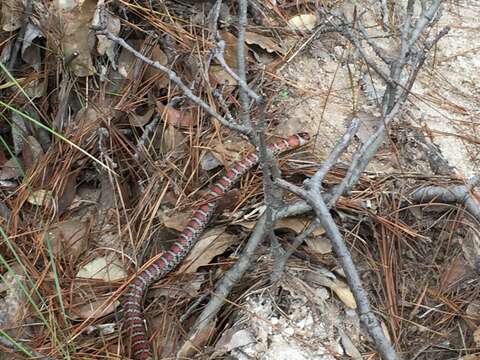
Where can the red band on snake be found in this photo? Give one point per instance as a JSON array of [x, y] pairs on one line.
[[132, 301]]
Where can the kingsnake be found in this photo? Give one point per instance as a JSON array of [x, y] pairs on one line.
[[133, 316]]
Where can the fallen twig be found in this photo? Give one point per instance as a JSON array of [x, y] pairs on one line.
[[314, 198], [459, 194], [337, 151], [172, 75], [241, 67]]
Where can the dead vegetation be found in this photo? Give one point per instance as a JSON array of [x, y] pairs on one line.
[[117, 116]]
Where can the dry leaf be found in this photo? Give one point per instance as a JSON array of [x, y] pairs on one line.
[[230, 53], [32, 150], [4, 212], [347, 343], [3, 157], [19, 132], [220, 76], [13, 301], [165, 345], [176, 220], [294, 223], [265, 42], [182, 119], [339, 287], [455, 272], [65, 199], [108, 193], [173, 139], [303, 22], [229, 150], [126, 62], [105, 46], [141, 119], [68, 238], [88, 193], [88, 116], [319, 244], [471, 247], [250, 225], [229, 201], [209, 161], [161, 79], [342, 290], [31, 53], [104, 268], [93, 310], [36, 88], [41, 198], [142, 114], [10, 170], [473, 309], [75, 39], [470, 357], [476, 337], [188, 287], [233, 338], [212, 243], [12, 15], [102, 330], [197, 340]]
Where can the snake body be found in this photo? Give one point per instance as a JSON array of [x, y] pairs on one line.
[[132, 302]]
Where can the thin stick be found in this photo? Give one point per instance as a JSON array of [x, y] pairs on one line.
[[338, 150], [459, 194], [314, 198], [219, 51], [241, 68], [175, 79]]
